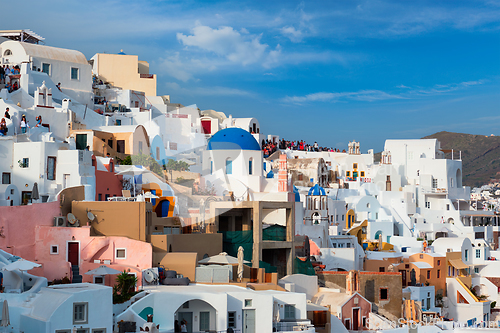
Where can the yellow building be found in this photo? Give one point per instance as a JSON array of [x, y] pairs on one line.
[[124, 71]]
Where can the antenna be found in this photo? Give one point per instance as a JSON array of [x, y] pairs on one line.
[[72, 219]]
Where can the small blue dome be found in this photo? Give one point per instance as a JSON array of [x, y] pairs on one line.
[[316, 190], [233, 138]]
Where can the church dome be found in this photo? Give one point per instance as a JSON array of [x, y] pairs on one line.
[[316, 190], [233, 138]]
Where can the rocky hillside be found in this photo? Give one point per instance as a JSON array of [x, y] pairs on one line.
[[480, 155]]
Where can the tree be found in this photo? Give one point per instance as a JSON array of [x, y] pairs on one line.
[[124, 288], [177, 165], [144, 160]]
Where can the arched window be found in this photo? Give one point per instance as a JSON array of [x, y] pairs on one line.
[[250, 166], [229, 167], [7, 53], [316, 203], [316, 218]]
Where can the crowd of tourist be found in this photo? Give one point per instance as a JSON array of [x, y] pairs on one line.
[[6, 74], [269, 147]]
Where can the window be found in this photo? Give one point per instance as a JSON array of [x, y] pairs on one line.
[[478, 253], [428, 274], [118, 122], [110, 143], [439, 262], [476, 270], [106, 197], [381, 269], [289, 311], [80, 311], [211, 167], [248, 302], [343, 218], [231, 319], [348, 173], [447, 206], [250, 168], [204, 321], [24, 163], [466, 253], [421, 256], [120, 146], [229, 167], [347, 323], [5, 177], [121, 254], [54, 249], [434, 183], [98, 279], [355, 165], [362, 173], [407, 266], [439, 273], [46, 68], [384, 294], [51, 168], [7, 53], [300, 177], [74, 73], [428, 204]]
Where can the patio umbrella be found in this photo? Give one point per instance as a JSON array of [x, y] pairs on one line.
[[240, 263], [34, 192], [133, 171], [5, 315], [221, 259], [21, 265], [103, 270]]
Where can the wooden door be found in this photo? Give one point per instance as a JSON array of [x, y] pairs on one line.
[[355, 319], [73, 253]]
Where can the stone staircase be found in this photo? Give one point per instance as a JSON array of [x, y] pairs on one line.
[[77, 278]]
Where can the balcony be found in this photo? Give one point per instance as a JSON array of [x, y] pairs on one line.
[[301, 325]]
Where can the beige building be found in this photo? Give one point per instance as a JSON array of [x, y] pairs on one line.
[[124, 71], [118, 141]]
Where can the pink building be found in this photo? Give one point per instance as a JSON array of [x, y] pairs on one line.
[[29, 232]]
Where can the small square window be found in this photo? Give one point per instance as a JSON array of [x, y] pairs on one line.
[[362, 173], [98, 279], [121, 254], [80, 313], [384, 294], [289, 311], [348, 173], [355, 165], [74, 73], [439, 262], [248, 302], [54, 249]]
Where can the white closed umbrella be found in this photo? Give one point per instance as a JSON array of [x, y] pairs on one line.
[[5, 315], [240, 263]]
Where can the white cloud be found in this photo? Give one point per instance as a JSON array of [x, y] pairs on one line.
[[226, 42], [292, 33], [208, 91], [378, 95]]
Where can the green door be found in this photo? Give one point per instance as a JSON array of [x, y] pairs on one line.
[[81, 141]]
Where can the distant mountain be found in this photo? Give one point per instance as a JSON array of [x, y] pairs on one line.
[[480, 155]]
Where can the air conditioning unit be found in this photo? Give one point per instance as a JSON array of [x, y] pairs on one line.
[[150, 277], [60, 221]]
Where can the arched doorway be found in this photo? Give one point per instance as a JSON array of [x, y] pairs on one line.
[[205, 314], [163, 208], [378, 234]]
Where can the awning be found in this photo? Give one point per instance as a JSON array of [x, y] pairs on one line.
[[458, 263], [315, 307]]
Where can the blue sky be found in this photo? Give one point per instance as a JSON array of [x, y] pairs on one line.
[[326, 71]]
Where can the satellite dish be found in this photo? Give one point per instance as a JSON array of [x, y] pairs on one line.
[[71, 218], [91, 216], [149, 276]]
